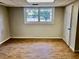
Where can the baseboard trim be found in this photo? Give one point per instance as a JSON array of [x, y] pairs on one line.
[[69, 46], [36, 38], [5, 40], [72, 48]]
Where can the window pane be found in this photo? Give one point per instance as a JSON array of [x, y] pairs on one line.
[[32, 14], [46, 14]]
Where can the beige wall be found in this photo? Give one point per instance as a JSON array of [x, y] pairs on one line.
[[19, 29], [4, 26]]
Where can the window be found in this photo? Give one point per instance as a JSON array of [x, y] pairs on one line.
[[32, 15], [38, 15]]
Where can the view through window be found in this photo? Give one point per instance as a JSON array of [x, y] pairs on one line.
[[38, 14]]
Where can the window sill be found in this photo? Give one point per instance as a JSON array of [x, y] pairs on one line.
[[42, 23]]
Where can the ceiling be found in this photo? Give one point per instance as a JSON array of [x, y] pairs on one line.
[[24, 3]]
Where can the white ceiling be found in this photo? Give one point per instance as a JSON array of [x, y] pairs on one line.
[[24, 3]]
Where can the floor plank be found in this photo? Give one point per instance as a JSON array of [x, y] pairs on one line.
[[36, 49]]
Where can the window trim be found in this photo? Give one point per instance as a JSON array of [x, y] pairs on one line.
[[53, 16]]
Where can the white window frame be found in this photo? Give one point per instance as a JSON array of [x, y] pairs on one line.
[[52, 21]]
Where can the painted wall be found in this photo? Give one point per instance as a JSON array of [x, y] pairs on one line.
[[4, 25], [21, 30]]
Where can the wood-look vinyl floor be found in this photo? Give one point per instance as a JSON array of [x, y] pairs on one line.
[[36, 49]]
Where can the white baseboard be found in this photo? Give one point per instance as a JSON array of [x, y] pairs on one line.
[[69, 46], [64, 40], [39, 37], [72, 49], [5, 40]]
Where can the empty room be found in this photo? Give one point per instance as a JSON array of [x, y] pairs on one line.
[[39, 29]]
